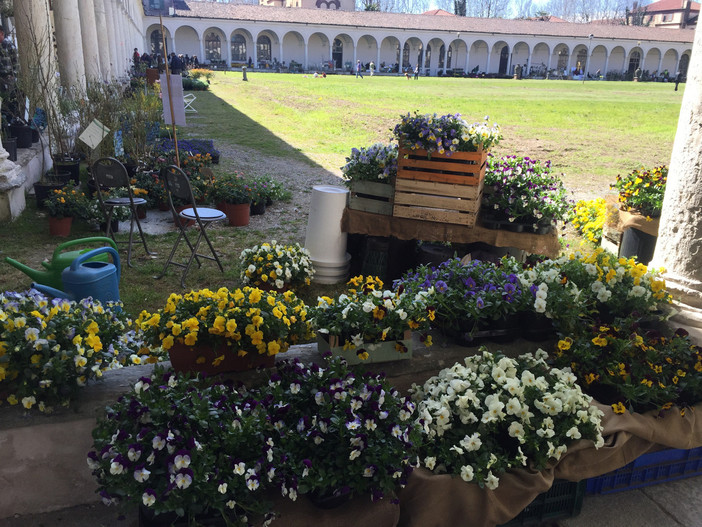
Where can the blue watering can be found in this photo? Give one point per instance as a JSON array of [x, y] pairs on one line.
[[88, 277]]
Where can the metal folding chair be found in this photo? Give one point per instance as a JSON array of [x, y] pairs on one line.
[[189, 99], [108, 173], [178, 187]]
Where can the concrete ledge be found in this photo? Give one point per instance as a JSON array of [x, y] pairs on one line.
[[28, 169], [45, 468]]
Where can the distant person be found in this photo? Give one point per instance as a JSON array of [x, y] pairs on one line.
[[250, 62], [371, 67], [359, 69], [678, 78], [146, 59], [176, 64], [416, 72]]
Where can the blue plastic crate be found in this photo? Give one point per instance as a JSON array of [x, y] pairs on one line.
[[649, 469], [563, 500]]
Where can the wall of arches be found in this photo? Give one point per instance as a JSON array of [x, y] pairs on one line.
[[436, 53]]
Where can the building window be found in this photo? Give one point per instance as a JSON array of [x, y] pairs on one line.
[[448, 57], [562, 60], [634, 61], [442, 51], [156, 4], [156, 44], [427, 58], [263, 48], [238, 48], [213, 47], [582, 61], [405, 56]]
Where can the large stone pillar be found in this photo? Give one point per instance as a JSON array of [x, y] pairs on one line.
[[33, 26], [91, 44], [679, 244], [103, 40], [111, 36], [69, 45], [124, 55]]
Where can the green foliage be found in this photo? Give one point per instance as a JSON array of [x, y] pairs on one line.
[[642, 190]]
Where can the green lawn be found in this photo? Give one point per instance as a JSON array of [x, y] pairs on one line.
[[590, 131]]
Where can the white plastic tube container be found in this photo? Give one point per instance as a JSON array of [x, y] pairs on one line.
[[324, 239]]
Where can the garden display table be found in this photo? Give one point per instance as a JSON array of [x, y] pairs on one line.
[[359, 222], [627, 437]]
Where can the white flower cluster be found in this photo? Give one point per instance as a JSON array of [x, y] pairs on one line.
[[494, 413], [277, 265]]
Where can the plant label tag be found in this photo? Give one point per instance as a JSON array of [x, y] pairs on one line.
[[94, 133]]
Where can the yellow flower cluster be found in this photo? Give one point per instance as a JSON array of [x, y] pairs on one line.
[[276, 266], [245, 320], [589, 218], [50, 349]]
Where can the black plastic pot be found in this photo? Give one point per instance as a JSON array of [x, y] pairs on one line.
[[23, 134], [258, 208], [42, 190], [10, 144], [35, 135], [69, 164]]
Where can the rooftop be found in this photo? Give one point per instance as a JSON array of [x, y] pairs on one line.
[[380, 20]]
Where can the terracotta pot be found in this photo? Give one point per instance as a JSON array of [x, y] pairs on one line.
[[237, 213], [60, 226], [200, 359]]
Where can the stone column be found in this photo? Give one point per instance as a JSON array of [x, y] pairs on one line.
[[120, 36], [36, 59], [103, 40], [91, 44], [69, 44], [111, 36], [679, 244]]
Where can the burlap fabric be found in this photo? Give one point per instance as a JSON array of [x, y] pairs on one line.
[[358, 222], [443, 501]]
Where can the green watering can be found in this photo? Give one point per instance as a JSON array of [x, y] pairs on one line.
[[61, 260]]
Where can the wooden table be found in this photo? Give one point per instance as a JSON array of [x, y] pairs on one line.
[[358, 222]]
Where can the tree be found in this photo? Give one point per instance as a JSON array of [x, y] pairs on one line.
[[459, 7], [371, 5], [636, 16], [487, 8], [522, 8]]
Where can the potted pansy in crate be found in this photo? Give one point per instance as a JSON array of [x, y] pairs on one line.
[[441, 158], [474, 300], [51, 348], [342, 434], [640, 202], [372, 324], [232, 194], [493, 413], [521, 194], [634, 368], [370, 173], [223, 330], [206, 462], [273, 266], [594, 285]]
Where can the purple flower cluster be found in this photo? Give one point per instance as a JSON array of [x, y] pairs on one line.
[[377, 163], [468, 293], [524, 190]]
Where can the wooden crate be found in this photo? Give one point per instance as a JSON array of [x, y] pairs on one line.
[[438, 202], [460, 168], [369, 196]]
